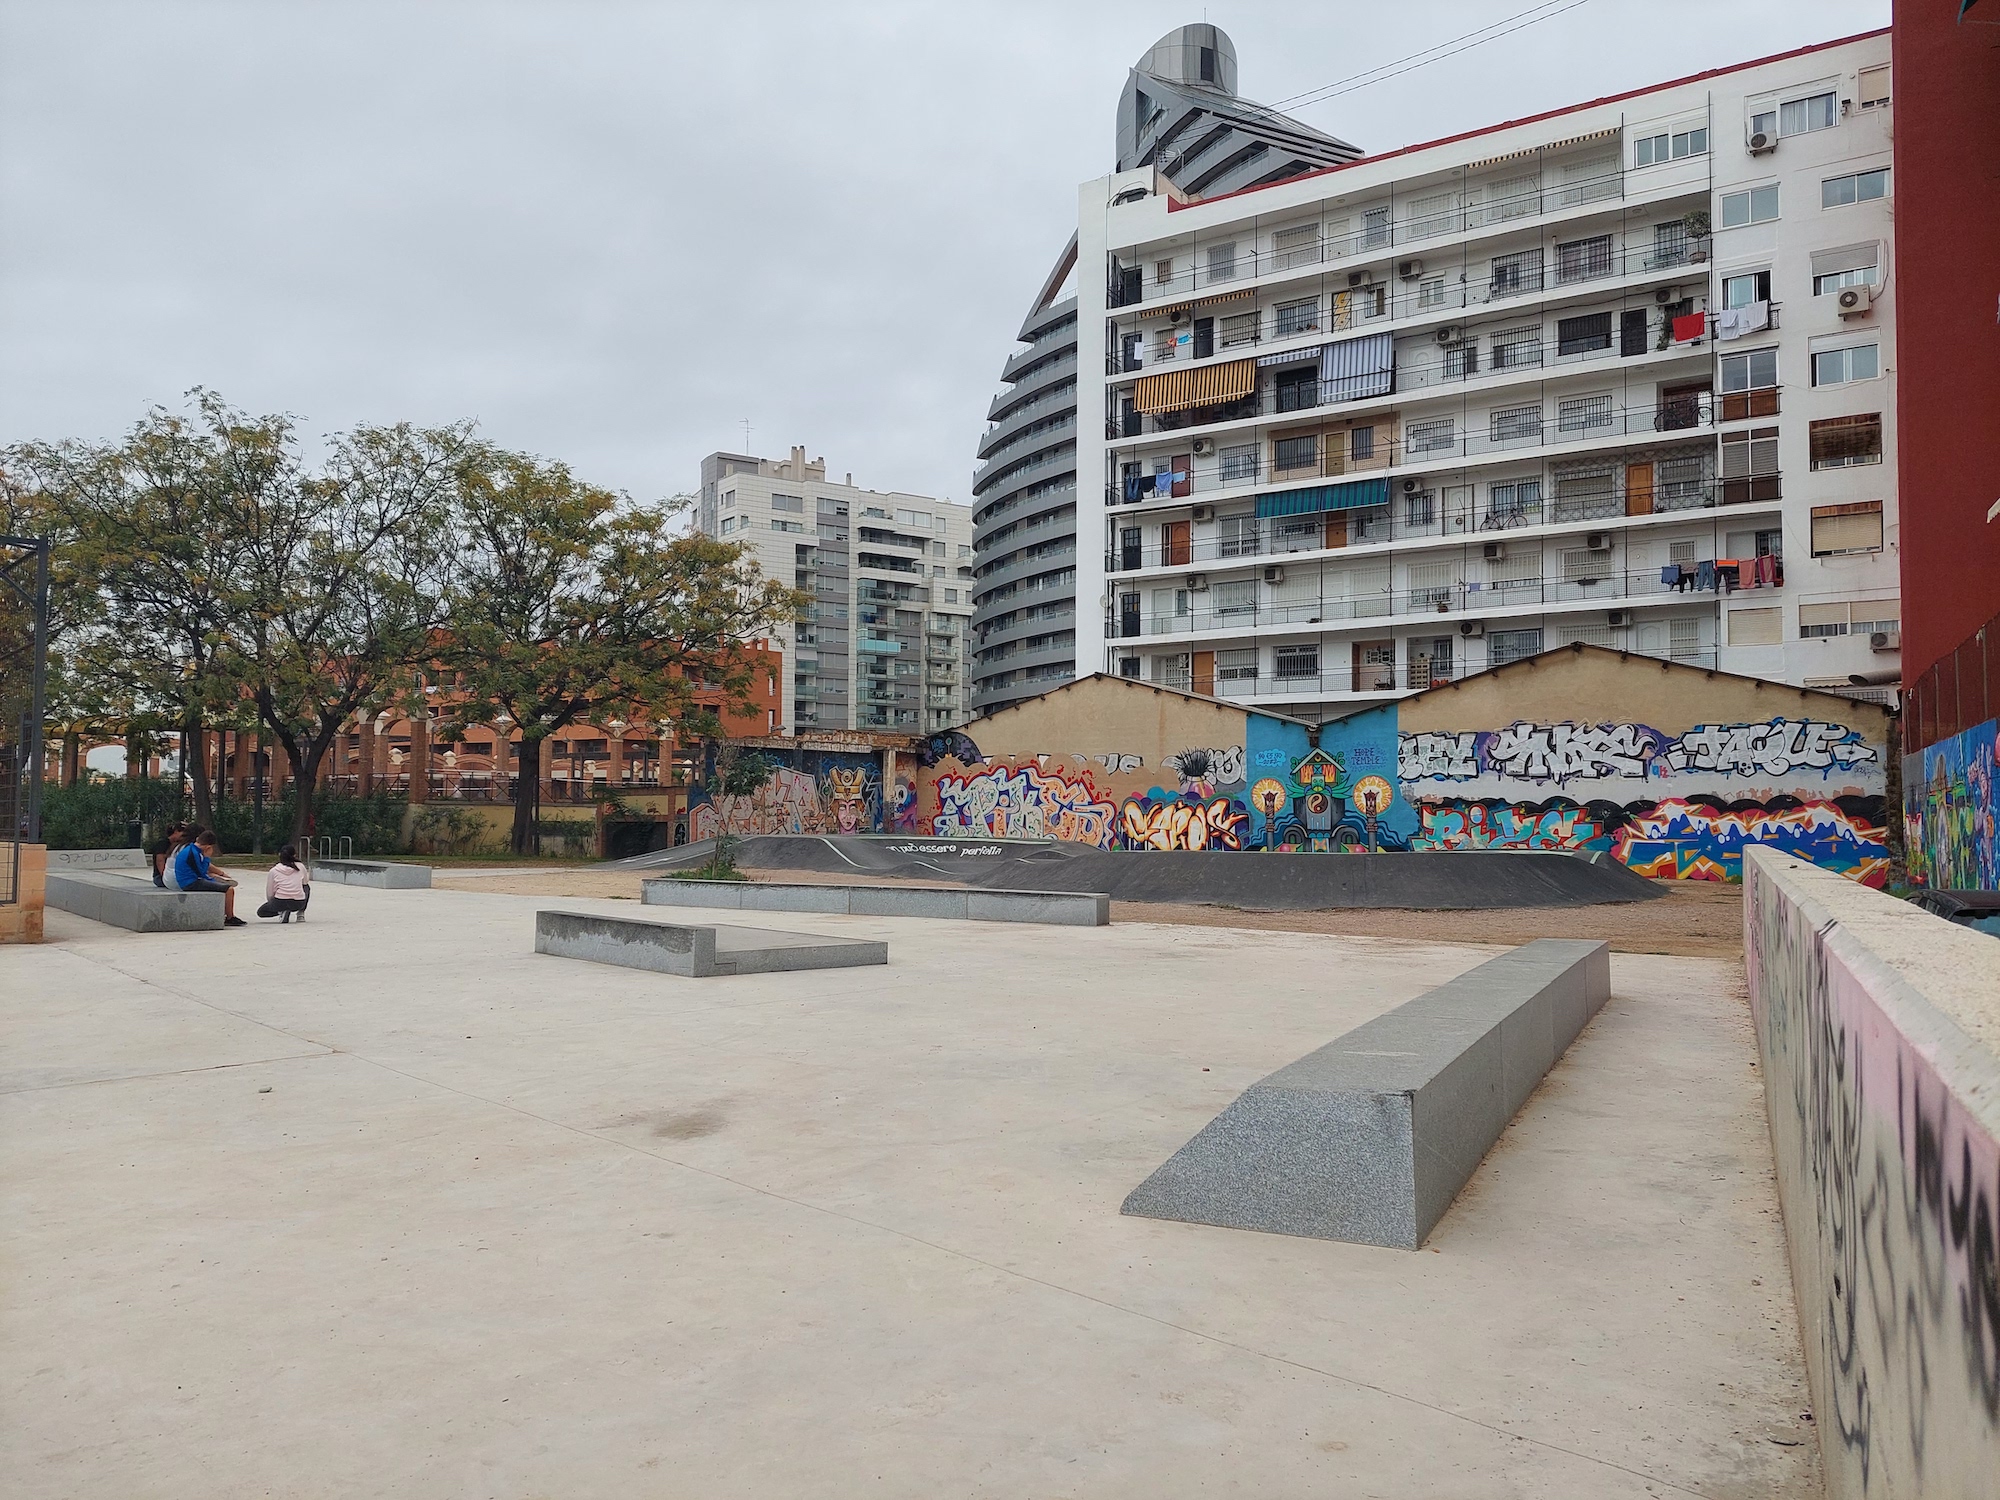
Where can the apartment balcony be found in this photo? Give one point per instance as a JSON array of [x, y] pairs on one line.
[[1061, 344], [1020, 567], [1498, 216], [1446, 602], [1370, 682], [1012, 469], [1741, 406], [998, 438]]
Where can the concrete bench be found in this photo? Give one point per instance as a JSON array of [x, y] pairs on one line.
[[1370, 1138], [100, 859], [1056, 908], [696, 952], [378, 873], [133, 902]]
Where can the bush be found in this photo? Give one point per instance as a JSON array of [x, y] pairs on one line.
[[442, 828], [100, 814]]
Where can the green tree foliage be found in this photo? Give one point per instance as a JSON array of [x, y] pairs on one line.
[[570, 603]]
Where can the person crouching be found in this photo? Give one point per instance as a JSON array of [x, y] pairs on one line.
[[287, 888]]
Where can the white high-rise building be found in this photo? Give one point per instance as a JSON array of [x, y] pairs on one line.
[[1620, 373], [884, 644]]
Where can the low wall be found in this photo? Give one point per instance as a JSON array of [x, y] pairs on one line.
[[121, 900], [1053, 908], [21, 919], [1878, 1026], [382, 876]]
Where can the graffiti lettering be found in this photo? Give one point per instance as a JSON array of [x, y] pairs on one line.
[[1215, 767], [1115, 762], [1774, 749], [1437, 755], [1185, 823], [1496, 825], [1562, 752], [1025, 802]]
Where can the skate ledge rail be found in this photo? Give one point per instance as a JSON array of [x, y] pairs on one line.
[[132, 903], [1054, 908], [1877, 1025]]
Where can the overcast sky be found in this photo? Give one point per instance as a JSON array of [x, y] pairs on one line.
[[611, 232]]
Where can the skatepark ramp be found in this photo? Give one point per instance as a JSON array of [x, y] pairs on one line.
[[1460, 881]]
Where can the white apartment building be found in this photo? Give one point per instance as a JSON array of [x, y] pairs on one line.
[[1621, 373], [885, 642]]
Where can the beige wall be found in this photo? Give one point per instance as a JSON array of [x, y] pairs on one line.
[[21, 919], [1108, 716]]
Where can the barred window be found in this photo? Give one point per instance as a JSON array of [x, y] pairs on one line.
[[1503, 646], [1511, 423], [1581, 413], [1434, 436], [1517, 348], [1297, 661], [1580, 335], [1842, 442]]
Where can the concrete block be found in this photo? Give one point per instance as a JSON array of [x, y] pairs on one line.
[[99, 859], [724, 895], [382, 875], [906, 901], [133, 902], [1055, 908], [1370, 1138], [1060, 908], [696, 952]]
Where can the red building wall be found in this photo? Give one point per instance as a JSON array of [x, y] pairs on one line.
[[1946, 98]]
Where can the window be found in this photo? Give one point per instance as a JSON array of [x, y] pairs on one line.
[[1222, 261], [951, 596], [1838, 529], [1745, 288], [1683, 638], [1297, 246], [791, 504], [1420, 509], [1517, 502], [1297, 452], [1587, 491], [1797, 116], [1670, 243], [1239, 536], [1838, 366], [1589, 181], [1430, 292], [778, 524], [1756, 627], [1433, 585], [1874, 89], [1298, 317], [1681, 552], [1375, 228], [937, 549], [1817, 621], [1238, 597], [1752, 452], [1461, 360], [1752, 206], [1503, 646], [964, 549], [1361, 443], [1436, 214], [1168, 605], [1236, 665], [1519, 272], [728, 498], [1843, 442], [1510, 423], [1580, 335], [1845, 266], [1520, 568], [1751, 371], [1238, 464], [1515, 197], [1764, 121], [1833, 281], [1240, 329], [1856, 187], [1434, 436], [1294, 662], [1581, 565], [1581, 413], [1884, 614], [1517, 348], [1651, 150], [1584, 260]]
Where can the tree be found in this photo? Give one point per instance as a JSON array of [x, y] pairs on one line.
[[572, 603]]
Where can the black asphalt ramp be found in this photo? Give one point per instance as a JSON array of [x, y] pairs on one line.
[[1460, 881]]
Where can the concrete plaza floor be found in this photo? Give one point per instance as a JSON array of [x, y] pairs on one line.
[[387, 1204]]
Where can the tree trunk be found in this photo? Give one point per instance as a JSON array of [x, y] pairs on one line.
[[528, 797], [305, 761], [194, 767]]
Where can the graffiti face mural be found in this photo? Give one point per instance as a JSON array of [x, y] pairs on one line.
[[847, 794], [1023, 802], [832, 792]]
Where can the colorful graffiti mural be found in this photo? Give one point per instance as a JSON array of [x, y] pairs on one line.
[[1691, 838], [1023, 801], [1170, 821], [834, 792], [1557, 754], [1951, 823]]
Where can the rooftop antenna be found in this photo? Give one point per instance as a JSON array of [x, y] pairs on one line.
[[746, 434]]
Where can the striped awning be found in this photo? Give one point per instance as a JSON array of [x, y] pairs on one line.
[[1206, 385], [1355, 495], [1309, 354], [1575, 140], [1235, 296]]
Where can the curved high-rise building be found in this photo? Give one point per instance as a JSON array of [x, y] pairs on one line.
[[1180, 114]]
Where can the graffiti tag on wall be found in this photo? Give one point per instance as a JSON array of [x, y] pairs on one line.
[[1951, 822], [1023, 802], [1557, 754], [1172, 822]]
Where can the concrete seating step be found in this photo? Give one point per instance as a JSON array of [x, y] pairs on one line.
[[132, 901], [696, 952]]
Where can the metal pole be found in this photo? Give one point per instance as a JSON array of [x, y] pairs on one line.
[[37, 692]]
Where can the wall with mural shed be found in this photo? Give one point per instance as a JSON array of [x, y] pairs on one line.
[[810, 791], [1951, 823], [1673, 770]]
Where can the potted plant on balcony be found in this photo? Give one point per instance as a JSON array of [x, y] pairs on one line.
[[1697, 226]]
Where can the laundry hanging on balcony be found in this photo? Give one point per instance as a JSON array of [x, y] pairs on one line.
[[1209, 385], [1354, 368], [1689, 328], [1356, 495]]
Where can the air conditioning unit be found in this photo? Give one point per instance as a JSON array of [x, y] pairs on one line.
[[1885, 640], [1178, 315], [1494, 551], [1355, 278], [1598, 541], [1617, 617], [1411, 486], [1763, 143], [1410, 270], [1451, 335], [1473, 628], [1855, 301], [1665, 295], [1204, 446], [1197, 583], [1204, 512], [1275, 573]]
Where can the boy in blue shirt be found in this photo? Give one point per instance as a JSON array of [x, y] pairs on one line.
[[193, 868]]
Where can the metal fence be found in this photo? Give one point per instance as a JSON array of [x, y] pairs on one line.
[[24, 642]]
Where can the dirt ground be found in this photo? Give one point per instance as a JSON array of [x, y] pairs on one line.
[[1694, 919]]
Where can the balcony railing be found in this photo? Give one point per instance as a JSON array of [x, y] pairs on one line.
[[1344, 680], [1455, 598], [1372, 238], [1417, 295]]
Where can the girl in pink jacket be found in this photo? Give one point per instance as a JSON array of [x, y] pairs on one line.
[[287, 888]]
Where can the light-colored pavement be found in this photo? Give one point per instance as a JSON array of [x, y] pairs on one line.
[[387, 1204]]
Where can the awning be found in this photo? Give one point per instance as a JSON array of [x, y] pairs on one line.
[[1356, 368], [1290, 357], [1206, 385], [1575, 140], [1236, 296], [1356, 495]]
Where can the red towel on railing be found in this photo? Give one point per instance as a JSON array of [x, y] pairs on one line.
[[1690, 328]]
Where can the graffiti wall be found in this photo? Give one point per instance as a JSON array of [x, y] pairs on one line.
[[1951, 824], [820, 791], [1678, 806], [1883, 1118]]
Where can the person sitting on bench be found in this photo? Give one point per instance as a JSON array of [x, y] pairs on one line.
[[164, 851], [194, 869], [287, 888]]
